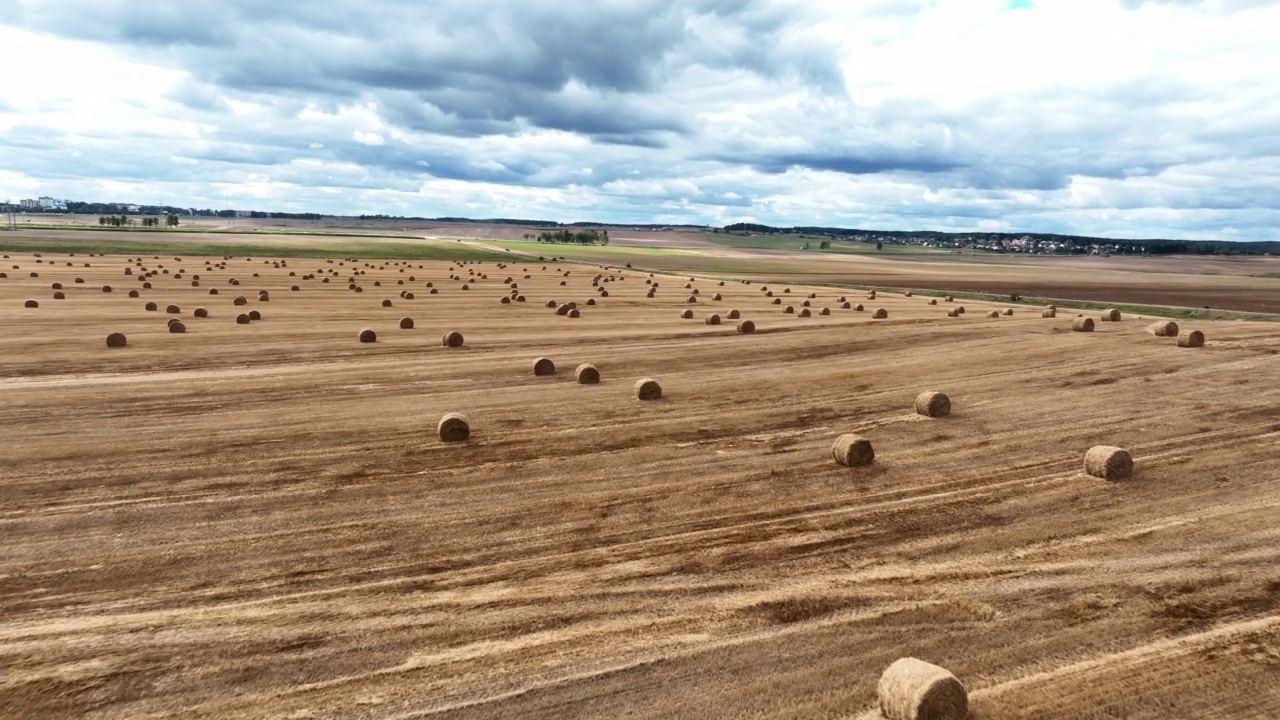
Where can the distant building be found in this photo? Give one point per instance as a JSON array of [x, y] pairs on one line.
[[48, 203], [29, 204]]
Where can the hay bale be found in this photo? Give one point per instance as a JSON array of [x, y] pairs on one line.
[[960, 309], [201, 312], [1111, 315], [993, 314], [213, 291], [846, 306], [853, 451], [255, 315], [933, 301], [177, 328], [574, 313], [543, 366], [264, 296], [932, 403], [106, 288], [952, 313], [552, 304], [871, 295], [591, 301], [712, 319], [243, 319], [949, 299], [406, 323], [453, 428], [1193, 339], [506, 300], [693, 299], [564, 309], [806, 303], [1163, 328], [648, 389], [858, 308], [240, 301], [746, 327], [1082, 324], [1008, 311], [789, 310], [519, 298], [386, 303], [171, 321], [151, 307], [825, 311], [1108, 462], [912, 689], [452, 339], [1048, 313], [172, 309], [880, 314], [804, 312], [686, 315], [733, 315], [587, 374], [717, 297], [907, 294], [116, 340], [59, 295], [777, 301]]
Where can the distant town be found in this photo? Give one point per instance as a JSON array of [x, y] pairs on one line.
[[808, 238]]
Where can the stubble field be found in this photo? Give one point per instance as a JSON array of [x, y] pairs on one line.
[[258, 520]]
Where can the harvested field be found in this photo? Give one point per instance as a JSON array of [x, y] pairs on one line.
[[262, 521]]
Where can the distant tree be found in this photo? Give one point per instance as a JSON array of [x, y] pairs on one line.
[[879, 245], [172, 220], [824, 245]]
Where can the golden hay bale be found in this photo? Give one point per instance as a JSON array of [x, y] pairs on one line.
[[172, 309], [543, 366], [907, 294], [151, 307], [519, 298], [406, 323], [574, 313], [587, 374], [952, 313], [454, 428], [805, 312], [693, 299], [56, 286], [562, 282], [769, 294], [386, 303], [466, 287], [933, 301], [243, 319], [591, 301], [115, 340], [1048, 313], [563, 309], [434, 291], [366, 335], [1111, 315], [871, 295], [408, 296], [746, 327], [649, 294], [201, 312], [59, 295], [858, 308], [1082, 324], [1163, 328], [853, 451], [712, 319], [993, 314], [552, 304], [255, 315], [932, 403], [294, 288], [1108, 463], [686, 315], [695, 291], [648, 389], [264, 296], [777, 301], [1193, 339], [825, 311], [1008, 311], [172, 321], [806, 303], [960, 309], [733, 315], [452, 339], [604, 293], [505, 300], [213, 291], [880, 314], [106, 288], [912, 689], [717, 297], [789, 310], [846, 306], [177, 328], [239, 301], [949, 299]]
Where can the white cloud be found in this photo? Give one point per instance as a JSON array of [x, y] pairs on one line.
[[368, 138]]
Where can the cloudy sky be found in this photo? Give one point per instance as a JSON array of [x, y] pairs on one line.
[[1125, 118]]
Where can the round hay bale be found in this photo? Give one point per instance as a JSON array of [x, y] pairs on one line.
[[1008, 311], [912, 689], [115, 340], [543, 366], [406, 323], [587, 374], [386, 303], [151, 307], [717, 297], [591, 301], [960, 309], [880, 314], [59, 295], [806, 303], [1111, 315], [907, 294], [146, 286], [255, 315], [686, 314], [712, 319], [931, 403], [853, 451], [1048, 313], [453, 428], [733, 315], [1163, 328], [106, 288], [177, 327], [171, 321], [871, 295], [408, 296], [134, 294], [434, 291], [552, 304], [466, 287], [993, 314], [648, 389], [452, 339], [933, 301], [519, 298], [201, 312], [172, 309], [505, 300], [746, 327], [769, 294], [952, 313], [243, 319], [789, 310], [805, 312], [1193, 339], [574, 313], [1082, 324], [858, 308], [213, 291], [264, 296], [366, 335], [563, 309], [949, 299], [294, 288], [649, 294], [56, 286], [846, 306], [693, 299], [1108, 462], [777, 301], [240, 301], [825, 311]]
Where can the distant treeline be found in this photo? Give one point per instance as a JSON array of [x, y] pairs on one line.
[[581, 237]]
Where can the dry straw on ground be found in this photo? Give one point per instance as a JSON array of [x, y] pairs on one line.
[[912, 689], [932, 403], [1108, 462], [648, 389], [853, 451], [454, 427], [1193, 339]]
